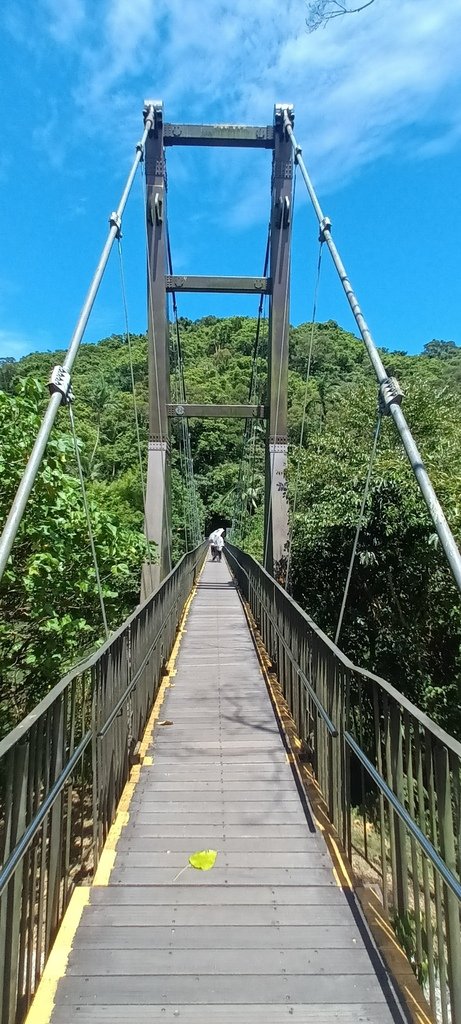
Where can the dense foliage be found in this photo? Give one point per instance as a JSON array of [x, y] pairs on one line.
[[402, 617]]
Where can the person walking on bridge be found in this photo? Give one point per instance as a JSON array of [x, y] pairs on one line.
[[217, 543]]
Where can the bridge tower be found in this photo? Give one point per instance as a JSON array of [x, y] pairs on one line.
[[271, 137]]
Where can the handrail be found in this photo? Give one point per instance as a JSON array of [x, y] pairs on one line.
[[62, 772], [332, 729], [423, 841], [87, 663], [391, 779], [424, 719]]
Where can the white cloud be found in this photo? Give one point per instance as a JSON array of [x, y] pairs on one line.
[[356, 84], [65, 18]]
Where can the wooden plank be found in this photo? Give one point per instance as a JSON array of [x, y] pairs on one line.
[[262, 1013], [219, 914], [261, 895], [207, 936], [240, 962], [224, 876], [202, 989]]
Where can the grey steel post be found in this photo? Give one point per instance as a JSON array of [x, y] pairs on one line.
[[158, 463], [442, 528], [276, 505], [22, 495]]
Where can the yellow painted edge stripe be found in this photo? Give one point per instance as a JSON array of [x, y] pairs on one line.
[[392, 953], [108, 855], [42, 1006]]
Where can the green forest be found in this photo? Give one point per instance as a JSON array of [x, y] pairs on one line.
[[403, 615]]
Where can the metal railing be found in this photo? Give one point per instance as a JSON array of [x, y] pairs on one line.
[[62, 772], [390, 776]]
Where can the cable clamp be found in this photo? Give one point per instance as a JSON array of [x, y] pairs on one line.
[[325, 225], [298, 151], [140, 149], [59, 382], [116, 222], [390, 393]]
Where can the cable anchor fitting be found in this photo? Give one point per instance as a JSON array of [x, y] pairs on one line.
[[60, 383], [390, 393], [116, 222], [325, 225]]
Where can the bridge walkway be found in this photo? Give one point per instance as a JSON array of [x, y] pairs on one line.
[[266, 935]]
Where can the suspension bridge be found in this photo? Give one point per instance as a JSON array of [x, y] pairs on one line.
[[219, 720]]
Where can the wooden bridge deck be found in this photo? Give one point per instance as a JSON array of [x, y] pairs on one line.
[[265, 936]]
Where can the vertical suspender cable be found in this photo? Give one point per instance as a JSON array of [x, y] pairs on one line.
[[133, 389], [393, 408], [88, 520], [249, 426], [359, 527], [28, 479], [303, 422]]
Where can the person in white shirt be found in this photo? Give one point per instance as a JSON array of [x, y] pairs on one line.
[[217, 543]]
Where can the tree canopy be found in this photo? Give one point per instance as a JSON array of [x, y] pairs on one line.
[[402, 617]]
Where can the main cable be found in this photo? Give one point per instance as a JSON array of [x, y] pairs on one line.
[[60, 385], [390, 395]]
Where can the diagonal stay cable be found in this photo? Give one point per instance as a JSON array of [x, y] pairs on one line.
[[389, 389], [359, 526], [60, 383], [88, 520], [303, 421], [133, 389]]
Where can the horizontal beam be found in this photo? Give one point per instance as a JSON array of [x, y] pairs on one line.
[[241, 285], [234, 135], [247, 412]]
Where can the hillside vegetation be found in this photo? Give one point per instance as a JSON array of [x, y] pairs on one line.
[[403, 614]]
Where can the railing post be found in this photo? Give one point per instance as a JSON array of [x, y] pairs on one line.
[[10, 902], [54, 875], [452, 910]]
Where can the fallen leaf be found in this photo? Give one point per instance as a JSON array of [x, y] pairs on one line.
[[203, 860], [166, 722]]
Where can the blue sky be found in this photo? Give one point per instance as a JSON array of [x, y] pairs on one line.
[[378, 112]]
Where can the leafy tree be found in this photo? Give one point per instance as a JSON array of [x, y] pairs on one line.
[[49, 606], [402, 615]]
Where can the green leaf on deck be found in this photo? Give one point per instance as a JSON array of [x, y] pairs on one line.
[[203, 859]]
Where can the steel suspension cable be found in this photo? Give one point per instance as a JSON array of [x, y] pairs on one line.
[[133, 389], [359, 527], [392, 406], [252, 390], [303, 421], [88, 521], [61, 387], [191, 489]]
